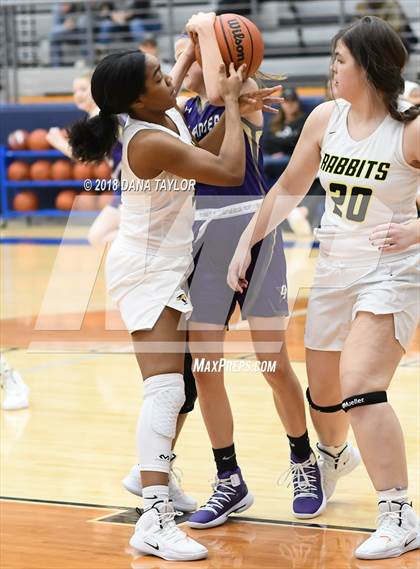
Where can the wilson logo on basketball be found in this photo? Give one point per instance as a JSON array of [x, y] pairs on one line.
[[238, 37]]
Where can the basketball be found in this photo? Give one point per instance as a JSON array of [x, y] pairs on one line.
[[18, 170], [65, 199], [37, 140], [239, 40], [41, 170], [102, 171], [61, 170], [18, 140], [25, 201], [82, 171]]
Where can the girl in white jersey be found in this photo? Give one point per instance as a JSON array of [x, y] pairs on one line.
[[363, 307], [148, 263]]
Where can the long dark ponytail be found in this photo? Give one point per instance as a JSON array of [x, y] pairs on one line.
[[378, 49], [117, 82]]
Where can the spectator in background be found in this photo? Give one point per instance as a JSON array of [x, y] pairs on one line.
[[127, 16], [282, 135], [149, 45], [391, 12], [68, 26], [279, 141]]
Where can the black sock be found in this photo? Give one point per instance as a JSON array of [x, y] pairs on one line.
[[225, 459], [300, 446]]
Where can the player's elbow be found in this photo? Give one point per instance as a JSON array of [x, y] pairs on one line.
[[215, 99]]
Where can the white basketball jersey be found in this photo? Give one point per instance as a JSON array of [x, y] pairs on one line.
[[157, 215], [367, 183]]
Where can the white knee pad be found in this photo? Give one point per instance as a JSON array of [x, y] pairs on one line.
[[164, 396]]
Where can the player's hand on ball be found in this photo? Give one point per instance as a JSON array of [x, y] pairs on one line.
[[231, 85], [260, 100], [202, 19], [395, 237], [238, 268]]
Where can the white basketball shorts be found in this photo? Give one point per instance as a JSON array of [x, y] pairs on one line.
[[339, 292], [142, 286]]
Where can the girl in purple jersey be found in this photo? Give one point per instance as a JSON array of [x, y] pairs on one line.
[[225, 213]]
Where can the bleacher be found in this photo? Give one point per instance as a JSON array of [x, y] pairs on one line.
[[297, 36]]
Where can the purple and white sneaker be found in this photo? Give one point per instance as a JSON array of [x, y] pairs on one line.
[[309, 498], [230, 495]]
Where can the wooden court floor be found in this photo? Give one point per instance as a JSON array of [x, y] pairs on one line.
[[63, 458]]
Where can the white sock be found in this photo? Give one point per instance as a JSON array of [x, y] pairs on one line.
[[394, 495], [335, 451], [153, 494]]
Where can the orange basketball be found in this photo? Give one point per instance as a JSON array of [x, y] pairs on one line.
[[240, 41], [37, 140], [18, 140], [86, 201], [41, 170], [25, 201], [61, 170], [102, 171], [65, 199], [18, 170], [82, 171]]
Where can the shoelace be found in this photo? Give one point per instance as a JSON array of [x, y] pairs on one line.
[[222, 493], [303, 476], [330, 460], [169, 527], [390, 522]]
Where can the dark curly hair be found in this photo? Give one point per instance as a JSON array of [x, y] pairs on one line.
[[117, 82]]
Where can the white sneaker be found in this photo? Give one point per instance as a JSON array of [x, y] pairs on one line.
[[181, 501], [334, 467], [157, 534], [16, 392], [398, 532]]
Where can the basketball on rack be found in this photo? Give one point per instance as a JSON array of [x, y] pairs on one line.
[[239, 40], [102, 171], [18, 170], [82, 171], [37, 140], [18, 140], [25, 201], [41, 170], [61, 170], [65, 199]]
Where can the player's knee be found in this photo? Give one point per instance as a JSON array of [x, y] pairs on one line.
[[354, 381], [167, 401], [363, 399], [323, 405]]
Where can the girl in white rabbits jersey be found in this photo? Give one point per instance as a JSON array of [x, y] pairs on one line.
[[364, 304]]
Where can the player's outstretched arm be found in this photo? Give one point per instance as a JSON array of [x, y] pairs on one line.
[[286, 193]]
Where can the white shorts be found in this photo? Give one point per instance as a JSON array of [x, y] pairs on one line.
[[340, 292], [142, 287]]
